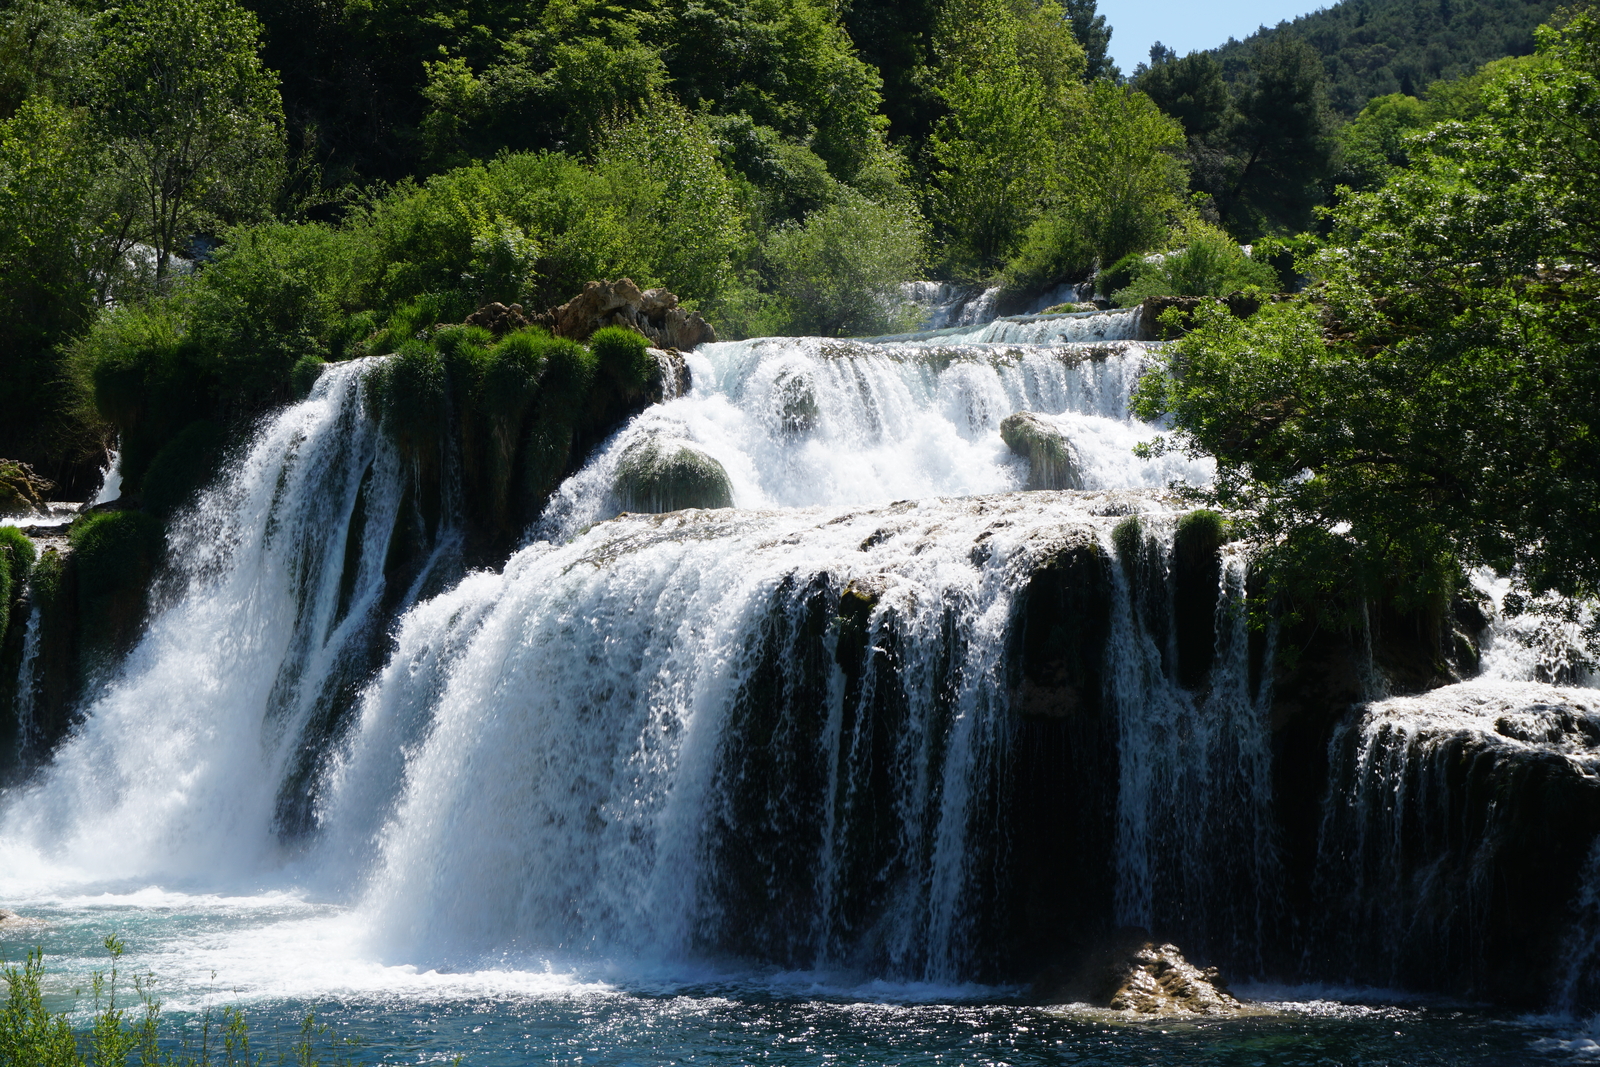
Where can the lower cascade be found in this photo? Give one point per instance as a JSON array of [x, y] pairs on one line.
[[884, 658]]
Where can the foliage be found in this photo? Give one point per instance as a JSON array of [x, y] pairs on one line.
[[118, 1034], [1117, 191], [1372, 48], [114, 556], [840, 272], [16, 560], [1436, 411], [1207, 263], [1007, 85], [191, 118]]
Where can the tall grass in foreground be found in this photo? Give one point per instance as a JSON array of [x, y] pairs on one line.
[[123, 1034]]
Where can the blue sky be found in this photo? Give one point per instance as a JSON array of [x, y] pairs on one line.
[[1184, 25]]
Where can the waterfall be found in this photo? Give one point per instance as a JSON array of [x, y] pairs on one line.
[[837, 725], [798, 422], [278, 572], [27, 725]]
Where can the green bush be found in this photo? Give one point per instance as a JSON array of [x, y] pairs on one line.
[[840, 272], [16, 560], [620, 354], [1209, 263]]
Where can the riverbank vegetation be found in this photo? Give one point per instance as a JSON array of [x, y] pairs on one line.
[[203, 201], [126, 1029]]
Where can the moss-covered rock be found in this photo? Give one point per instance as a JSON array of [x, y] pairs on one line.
[[182, 467], [22, 492], [114, 557], [16, 560], [1049, 455], [662, 475], [1196, 578]]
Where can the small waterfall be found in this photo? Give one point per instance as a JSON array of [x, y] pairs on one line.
[[804, 421], [27, 724], [278, 574], [1451, 818], [1196, 854]]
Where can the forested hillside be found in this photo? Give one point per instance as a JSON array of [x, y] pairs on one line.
[[1374, 47]]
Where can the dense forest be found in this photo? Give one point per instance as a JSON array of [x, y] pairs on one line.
[[1375, 47], [203, 201]]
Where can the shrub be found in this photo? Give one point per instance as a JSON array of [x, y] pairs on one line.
[[840, 272], [620, 354], [114, 555], [182, 467], [1209, 263]]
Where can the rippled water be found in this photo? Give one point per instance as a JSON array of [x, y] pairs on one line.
[[279, 956]]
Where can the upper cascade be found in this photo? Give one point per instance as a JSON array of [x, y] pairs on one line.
[[795, 422]]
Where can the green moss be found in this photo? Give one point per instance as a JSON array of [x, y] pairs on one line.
[[183, 466], [1203, 530], [114, 556], [669, 476], [1126, 537], [624, 361], [16, 560], [570, 374]]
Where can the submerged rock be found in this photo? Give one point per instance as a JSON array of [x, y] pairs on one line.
[[11, 922], [795, 398], [1049, 454], [659, 475]]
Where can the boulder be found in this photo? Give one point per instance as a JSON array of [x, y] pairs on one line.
[[499, 319], [12, 923], [23, 492], [660, 475], [1049, 455], [795, 398], [1132, 973], [653, 312]]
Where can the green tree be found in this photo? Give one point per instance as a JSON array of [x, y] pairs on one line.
[[1435, 407], [1095, 37], [192, 119], [840, 272], [1281, 140], [1011, 81]]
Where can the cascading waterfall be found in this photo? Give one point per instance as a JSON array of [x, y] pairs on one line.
[[786, 732], [177, 769]]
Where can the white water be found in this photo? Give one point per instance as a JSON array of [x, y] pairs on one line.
[[540, 771], [27, 726], [175, 772], [896, 421]]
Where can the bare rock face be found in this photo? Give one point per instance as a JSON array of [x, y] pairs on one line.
[[1049, 456], [653, 312], [1128, 972]]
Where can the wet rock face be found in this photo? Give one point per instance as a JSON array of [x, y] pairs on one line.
[[1049, 455], [663, 475], [795, 398], [653, 312]]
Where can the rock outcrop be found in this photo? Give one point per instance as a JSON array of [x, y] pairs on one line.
[[22, 491], [660, 475], [653, 312], [795, 402], [499, 319], [1127, 971], [1049, 455]]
